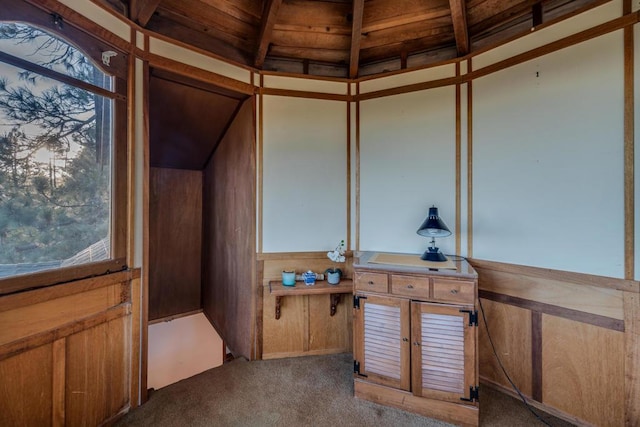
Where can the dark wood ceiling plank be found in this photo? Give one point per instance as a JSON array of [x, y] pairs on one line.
[[320, 55], [407, 33], [312, 28], [249, 11], [269, 17], [213, 20], [167, 17], [316, 13], [356, 34], [460, 30], [494, 12], [310, 40], [174, 30], [141, 11], [502, 20], [380, 53], [384, 14]]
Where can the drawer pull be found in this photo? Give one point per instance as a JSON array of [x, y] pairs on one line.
[[405, 339], [370, 282], [409, 286], [454, 291]]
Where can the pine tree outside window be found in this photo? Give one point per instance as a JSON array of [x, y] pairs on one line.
[[61, 169]]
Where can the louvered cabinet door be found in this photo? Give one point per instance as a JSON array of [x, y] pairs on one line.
[[382, 333], [443, 352]]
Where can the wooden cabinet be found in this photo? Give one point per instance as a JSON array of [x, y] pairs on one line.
[[415, 334]]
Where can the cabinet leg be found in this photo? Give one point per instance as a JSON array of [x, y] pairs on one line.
[[335, 300], [278, 300]]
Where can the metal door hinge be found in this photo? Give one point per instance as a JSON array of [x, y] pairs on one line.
[[356, 368], [474, 395], [473, 316], [356, 300]]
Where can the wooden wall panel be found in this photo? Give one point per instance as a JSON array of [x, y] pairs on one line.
[[36, 318], [632, 362], [510, 329], [228, 290], [585, 298], [286, 336], [583, 370], [97, 378], [26, 388], [330, 334], [66, 352], [175, 236]]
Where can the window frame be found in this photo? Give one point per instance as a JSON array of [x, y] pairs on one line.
[[78, 32]]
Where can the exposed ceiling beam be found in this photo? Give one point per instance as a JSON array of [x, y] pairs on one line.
[[356, 34], [266, 28], [142, 10], [460, 30]]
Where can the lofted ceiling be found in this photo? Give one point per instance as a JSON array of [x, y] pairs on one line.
[[343, 38]]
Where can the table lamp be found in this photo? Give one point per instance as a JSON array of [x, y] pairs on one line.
[[433, 227]]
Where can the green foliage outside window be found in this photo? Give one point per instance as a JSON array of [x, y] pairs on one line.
[[55, 161]]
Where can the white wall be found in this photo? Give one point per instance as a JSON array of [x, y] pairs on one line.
[[304, 174], [407, 164], [548, 161]]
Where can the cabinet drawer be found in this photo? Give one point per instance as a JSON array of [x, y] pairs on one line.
[[372, 282], [453, 290], [410, 286]]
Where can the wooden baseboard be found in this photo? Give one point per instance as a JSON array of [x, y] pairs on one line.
[[464, 415], [281, 355]]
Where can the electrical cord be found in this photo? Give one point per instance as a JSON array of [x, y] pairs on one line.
[[495, 352]]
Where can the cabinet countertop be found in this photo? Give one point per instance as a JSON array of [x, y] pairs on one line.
[[463, 270]]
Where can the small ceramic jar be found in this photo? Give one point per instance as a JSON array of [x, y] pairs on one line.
[[288, 277], [309, 278]]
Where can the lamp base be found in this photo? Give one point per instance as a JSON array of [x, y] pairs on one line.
[[432, 254]]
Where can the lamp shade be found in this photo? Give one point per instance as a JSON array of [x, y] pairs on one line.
[[433, 226]]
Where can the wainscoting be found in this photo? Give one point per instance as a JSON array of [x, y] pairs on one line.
[[569, 341], [69, 354]]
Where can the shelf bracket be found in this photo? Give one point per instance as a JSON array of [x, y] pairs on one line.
[[335, 300], [278, 301]]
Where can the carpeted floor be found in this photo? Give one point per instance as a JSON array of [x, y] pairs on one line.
[[302, 391]]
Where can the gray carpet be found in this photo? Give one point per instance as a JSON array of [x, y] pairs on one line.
[[302, 391]]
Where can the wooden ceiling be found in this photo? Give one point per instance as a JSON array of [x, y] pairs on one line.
[[342, 38]]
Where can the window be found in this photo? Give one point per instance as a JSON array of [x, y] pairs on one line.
[[62, 154]]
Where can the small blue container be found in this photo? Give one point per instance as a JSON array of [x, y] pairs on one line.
[[309, 278], [288, 278]]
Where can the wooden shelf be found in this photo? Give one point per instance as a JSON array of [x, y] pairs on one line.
[[321, 287]]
